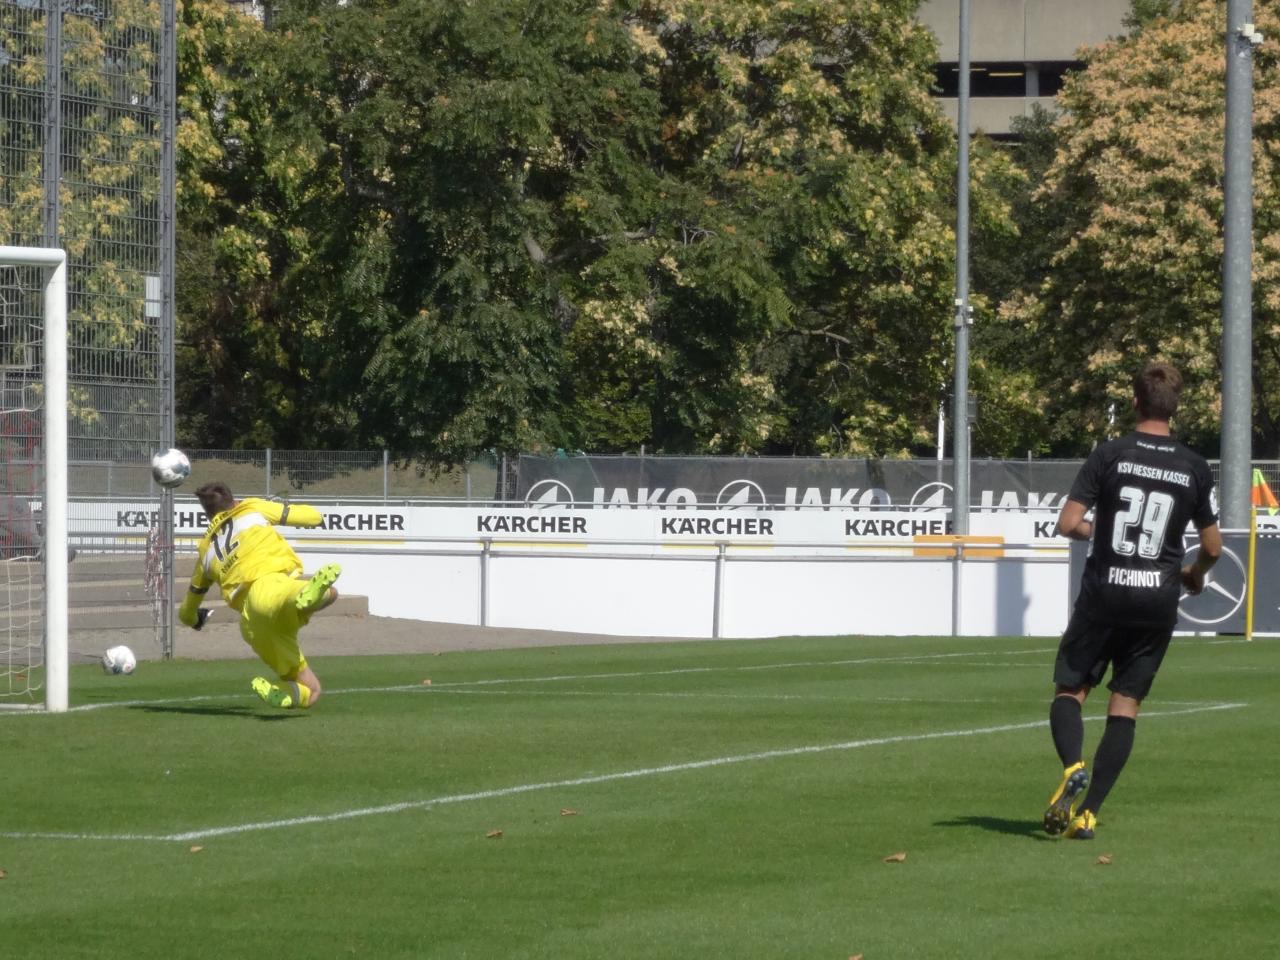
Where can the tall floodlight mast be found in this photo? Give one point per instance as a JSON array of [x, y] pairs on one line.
[[1237, 269], [963, 315]]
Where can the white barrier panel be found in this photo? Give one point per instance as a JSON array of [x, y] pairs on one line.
[[679, 573], [664, 596], [393, 525], [675, 573]]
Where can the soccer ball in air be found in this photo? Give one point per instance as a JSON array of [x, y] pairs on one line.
[[170, 468], [118, 660]]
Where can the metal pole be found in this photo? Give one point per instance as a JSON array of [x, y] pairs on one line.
[[52, 124], [268, 471], [487, 547], [386, 474], [717, 602], [942, 429], [963, 316], [1237, 268], [957, 586], [55, 485], [168, 312]]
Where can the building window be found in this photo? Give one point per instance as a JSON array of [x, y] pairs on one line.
[[1004, 79], [1052, 76]]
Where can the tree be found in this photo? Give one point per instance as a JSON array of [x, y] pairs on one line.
[[108, 168], [1006, 254], [701, 225], [1136, 262], [791, 291]]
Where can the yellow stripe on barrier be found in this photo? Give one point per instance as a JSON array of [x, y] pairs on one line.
[[950, 544]]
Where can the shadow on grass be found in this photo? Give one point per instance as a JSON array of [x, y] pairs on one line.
[[248, 713], [1014, 828]]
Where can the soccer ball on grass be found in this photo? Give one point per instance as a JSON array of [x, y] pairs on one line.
[[118, 660], [170, 468]]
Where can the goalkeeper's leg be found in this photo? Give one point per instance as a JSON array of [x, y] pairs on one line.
[[269, 624], [299, 691], [317, 592]]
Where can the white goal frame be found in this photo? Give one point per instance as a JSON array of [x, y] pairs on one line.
[[54, 267]]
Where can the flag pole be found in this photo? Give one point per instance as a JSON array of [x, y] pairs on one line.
[[1253, 556]]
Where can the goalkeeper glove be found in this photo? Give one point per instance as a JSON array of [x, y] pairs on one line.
[[203, 614]]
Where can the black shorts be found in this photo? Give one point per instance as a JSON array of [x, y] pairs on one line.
[[1133, 650]]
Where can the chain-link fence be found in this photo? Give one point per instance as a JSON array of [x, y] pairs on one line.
[[375, 474], [292, 474], [86, 144]]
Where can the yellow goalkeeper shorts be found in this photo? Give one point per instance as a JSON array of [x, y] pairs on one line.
[[269, 623]]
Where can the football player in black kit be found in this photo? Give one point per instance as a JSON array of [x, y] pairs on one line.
[[1143, 490]]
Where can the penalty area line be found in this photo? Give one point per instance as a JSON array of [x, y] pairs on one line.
[[642, 772]]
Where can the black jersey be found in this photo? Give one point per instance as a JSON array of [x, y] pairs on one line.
[[1144, 489]]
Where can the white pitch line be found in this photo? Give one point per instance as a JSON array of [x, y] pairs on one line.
[[498, 681], [357, 813], [699, 695], [804, 697]]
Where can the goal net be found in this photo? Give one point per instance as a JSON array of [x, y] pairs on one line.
[[33, 478]]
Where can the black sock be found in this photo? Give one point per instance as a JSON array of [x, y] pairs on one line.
[[1113, 751], [1067, 727]]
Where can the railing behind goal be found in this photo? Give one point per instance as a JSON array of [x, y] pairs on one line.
[[33, 494]]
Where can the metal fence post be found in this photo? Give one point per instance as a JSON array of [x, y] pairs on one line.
[[718, 599], [268, 471], [386, 475], [957, 585], [484, 582]]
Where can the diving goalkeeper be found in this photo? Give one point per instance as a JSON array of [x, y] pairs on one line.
[[261, 578]]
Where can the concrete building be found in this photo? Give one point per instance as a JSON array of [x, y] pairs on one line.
[[1019, 51]]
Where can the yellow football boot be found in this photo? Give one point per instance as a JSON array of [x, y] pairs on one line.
[[1082, 826], [1063, 803], [317, 588], [271, 693]]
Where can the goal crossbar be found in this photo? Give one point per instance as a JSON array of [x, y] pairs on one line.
[[54, 267]]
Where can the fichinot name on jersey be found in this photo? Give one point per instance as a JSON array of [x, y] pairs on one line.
[[1146, 579]]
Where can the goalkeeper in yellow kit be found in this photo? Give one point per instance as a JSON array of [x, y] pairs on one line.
[[261, 578]]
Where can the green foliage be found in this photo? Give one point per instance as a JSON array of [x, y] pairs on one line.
[[1142, 13], [109, 159], [1007, 251], [1133, 270], [700, 225]]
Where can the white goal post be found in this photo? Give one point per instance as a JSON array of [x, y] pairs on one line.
[[53, 264]]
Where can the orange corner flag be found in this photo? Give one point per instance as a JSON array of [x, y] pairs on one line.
[[1262, 495]]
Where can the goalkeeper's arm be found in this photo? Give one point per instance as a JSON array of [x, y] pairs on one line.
[[190, 612], [291, 514]]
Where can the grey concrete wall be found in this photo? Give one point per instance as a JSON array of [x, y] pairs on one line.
[[1024, 30], [1019, 31], [994, 114]]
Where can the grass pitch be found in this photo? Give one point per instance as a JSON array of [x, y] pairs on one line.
[[684, 800]]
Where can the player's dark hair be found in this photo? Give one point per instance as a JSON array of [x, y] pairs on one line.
[[215, 496], [1157, 387]]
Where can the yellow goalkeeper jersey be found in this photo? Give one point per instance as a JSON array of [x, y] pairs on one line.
[[241, 545]]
